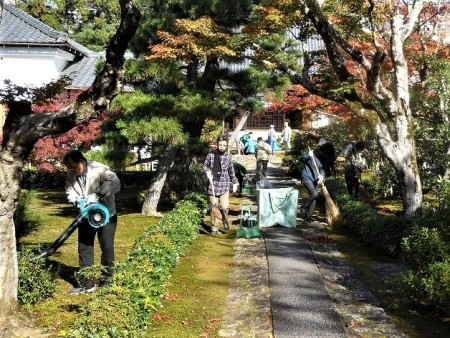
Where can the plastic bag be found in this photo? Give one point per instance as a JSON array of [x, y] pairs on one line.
[[277, 206], [263, 183], [248, 224]]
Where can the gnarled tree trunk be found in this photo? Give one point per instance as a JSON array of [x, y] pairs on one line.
[[23, 129], [388, 110]]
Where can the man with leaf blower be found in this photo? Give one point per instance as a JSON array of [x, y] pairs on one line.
[[219, 170], [92, 182]]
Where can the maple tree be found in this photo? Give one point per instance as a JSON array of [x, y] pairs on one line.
[[48, 151], [363, 66]]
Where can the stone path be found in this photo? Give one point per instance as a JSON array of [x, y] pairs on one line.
[[250, 312]]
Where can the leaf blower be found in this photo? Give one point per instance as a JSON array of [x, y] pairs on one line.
[[96, 214]]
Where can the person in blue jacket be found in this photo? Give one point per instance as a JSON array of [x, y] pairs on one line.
[[312, 177]]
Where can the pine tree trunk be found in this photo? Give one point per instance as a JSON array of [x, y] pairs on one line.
[[153, 193], [233, 137], [9, 273]]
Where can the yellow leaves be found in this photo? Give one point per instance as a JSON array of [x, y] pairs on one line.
[[281, 14], [200, 38]]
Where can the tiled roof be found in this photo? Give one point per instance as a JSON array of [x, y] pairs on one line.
[[82, 72], [20, 28]]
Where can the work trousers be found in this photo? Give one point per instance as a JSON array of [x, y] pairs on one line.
[[310, 203], [261, 168], [352, 183], [223, 202], [86, 237]]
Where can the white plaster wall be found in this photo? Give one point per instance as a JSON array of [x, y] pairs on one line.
[[320, 121], [31, 66]]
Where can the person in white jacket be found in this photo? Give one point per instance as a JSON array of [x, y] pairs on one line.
[[286, 135], [94, 182]]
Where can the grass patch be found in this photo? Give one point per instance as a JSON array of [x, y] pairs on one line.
[[196, 295], [58, 313]]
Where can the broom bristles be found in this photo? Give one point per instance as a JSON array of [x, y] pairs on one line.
[[333, 215], [216, 211]]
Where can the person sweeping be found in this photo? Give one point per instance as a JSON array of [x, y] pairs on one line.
[[219, 170], [312, 176]]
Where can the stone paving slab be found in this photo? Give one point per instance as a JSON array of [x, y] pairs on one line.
[[301, 306]]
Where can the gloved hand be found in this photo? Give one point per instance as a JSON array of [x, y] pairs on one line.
[[209, 175], [235, 187], [76, 203], [311, 153], [320, 179], [91, 199]]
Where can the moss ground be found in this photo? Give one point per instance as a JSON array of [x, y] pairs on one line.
[[54, 214], [196, 295]]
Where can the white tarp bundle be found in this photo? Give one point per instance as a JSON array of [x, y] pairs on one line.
[[277, 206]]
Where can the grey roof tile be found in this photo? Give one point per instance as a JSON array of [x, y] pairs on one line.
[[20, 28], [82, 72]]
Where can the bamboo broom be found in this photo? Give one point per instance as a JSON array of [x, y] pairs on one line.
[[333, 215], [215, 210]]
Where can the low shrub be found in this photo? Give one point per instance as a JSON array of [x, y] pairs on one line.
[[423, 243], [125, 307], [426, 251], [25, 219], [381, 232], [37, 281]]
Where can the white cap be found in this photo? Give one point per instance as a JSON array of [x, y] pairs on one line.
[[322, 141], [272, 126]]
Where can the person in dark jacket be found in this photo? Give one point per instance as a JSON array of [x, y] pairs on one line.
[[327, 156], [239, 172], [312, 177], [354, 166]]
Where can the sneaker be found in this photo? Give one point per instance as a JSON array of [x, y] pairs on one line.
[[79, 291], [214, 233]]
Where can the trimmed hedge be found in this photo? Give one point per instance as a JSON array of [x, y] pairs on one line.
[[423, 243], [381, 232], [125, 307], [37, 280]]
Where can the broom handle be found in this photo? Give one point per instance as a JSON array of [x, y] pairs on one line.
[[212, 188], [314, 161]]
